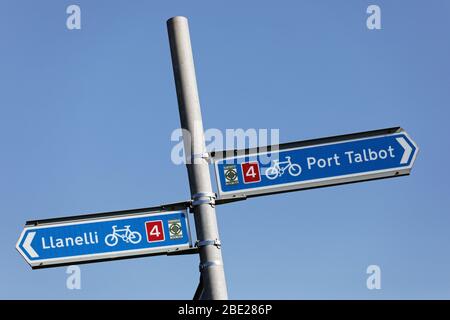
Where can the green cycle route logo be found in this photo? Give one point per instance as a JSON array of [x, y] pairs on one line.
[[230, 173], [175, 230]]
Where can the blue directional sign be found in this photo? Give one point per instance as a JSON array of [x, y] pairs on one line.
[[104, 238], [319, 163]]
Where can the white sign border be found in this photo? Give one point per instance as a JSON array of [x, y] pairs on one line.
[[106, 255], [321, 182]]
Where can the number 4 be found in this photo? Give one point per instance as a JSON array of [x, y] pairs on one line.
[[251, 172], [155, 231]]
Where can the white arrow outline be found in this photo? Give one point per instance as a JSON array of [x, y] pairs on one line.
[[405, 145], [27, 245]]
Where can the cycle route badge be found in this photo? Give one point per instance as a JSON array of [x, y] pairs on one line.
[[230, 174], [104, 238], [175, 229]]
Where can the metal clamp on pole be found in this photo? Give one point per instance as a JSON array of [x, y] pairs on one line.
[[204, 243], [209, 264], [204, 198], [205, 156]]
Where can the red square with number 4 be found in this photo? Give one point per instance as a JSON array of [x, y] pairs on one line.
[[154, 230], [250, 171]]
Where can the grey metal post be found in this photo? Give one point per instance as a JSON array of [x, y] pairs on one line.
[[211, 265]]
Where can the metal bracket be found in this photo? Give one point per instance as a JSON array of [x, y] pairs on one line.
[[240, 197], [182, 252], [203, 198], [204, 243], [205, 156], [209, 264]]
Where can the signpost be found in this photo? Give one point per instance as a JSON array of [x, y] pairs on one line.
[[103, 237], [245, 173], [316, 163]]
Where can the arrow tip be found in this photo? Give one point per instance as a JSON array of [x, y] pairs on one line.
[[27, 245], [407, 150]]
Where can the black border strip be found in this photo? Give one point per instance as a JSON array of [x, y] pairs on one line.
[[167, 253], [167, 207], [218, 155]]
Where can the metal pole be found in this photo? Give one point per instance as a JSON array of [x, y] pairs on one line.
[[211, 265]]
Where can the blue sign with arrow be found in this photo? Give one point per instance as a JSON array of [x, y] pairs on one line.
[[104, 238], [302, 165]]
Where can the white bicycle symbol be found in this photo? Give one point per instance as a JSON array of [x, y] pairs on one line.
[[125, 234], [278, 168]]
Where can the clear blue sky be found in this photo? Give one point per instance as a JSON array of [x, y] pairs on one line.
[[86, 118]]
